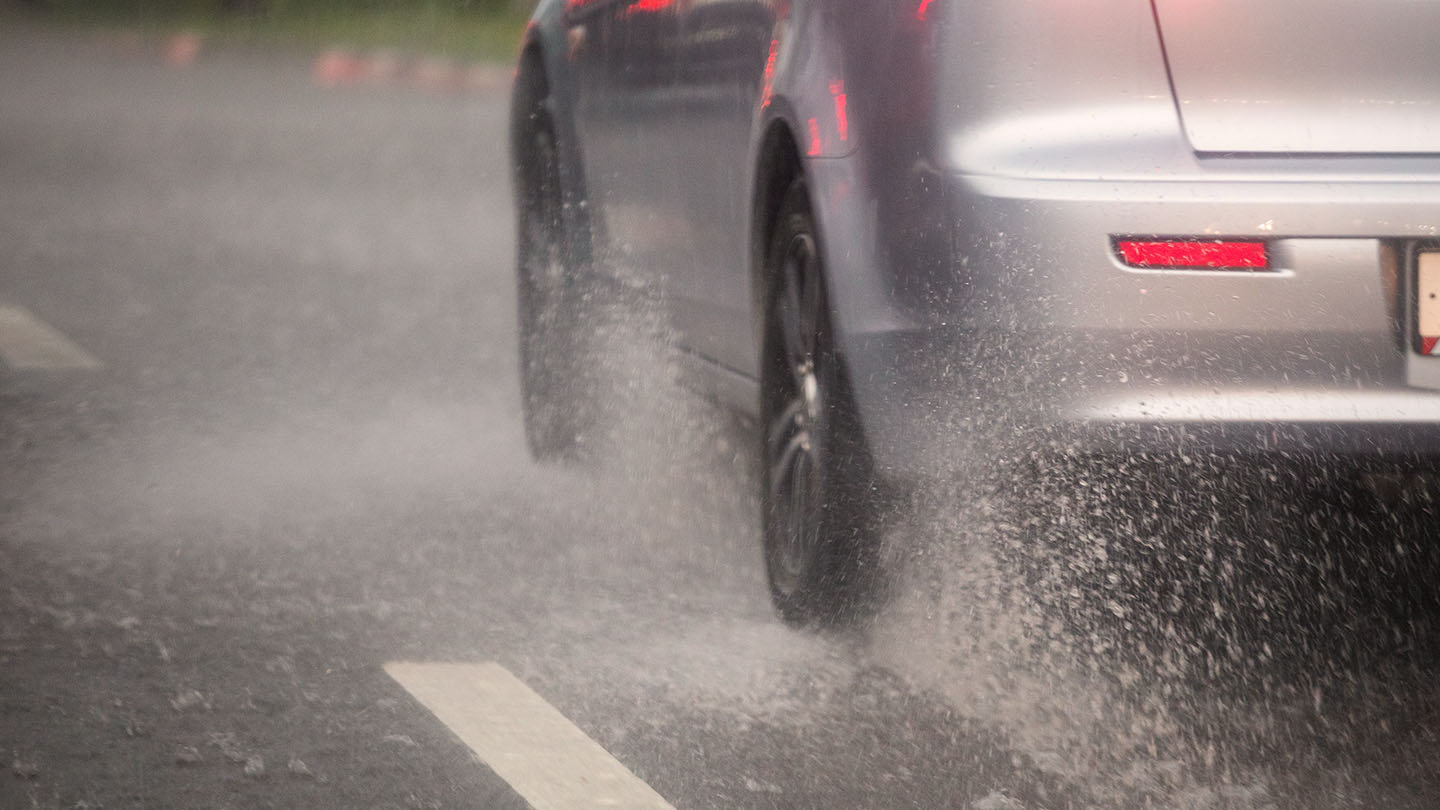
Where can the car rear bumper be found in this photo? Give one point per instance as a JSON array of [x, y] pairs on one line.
[[1037, 334], [930, 401]]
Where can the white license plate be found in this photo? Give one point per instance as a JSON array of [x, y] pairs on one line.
[[1427, 301]]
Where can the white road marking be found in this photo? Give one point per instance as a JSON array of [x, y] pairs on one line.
[[26, 342], [547, 760]]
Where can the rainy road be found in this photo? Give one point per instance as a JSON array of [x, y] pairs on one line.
[[259, 437]]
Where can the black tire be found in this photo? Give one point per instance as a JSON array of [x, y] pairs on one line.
[[815, 476], [551, 254]]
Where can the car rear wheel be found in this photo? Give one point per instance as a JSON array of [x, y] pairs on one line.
[[549, 257], [818, 551]]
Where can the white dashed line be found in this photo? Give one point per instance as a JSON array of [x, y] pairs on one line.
[[547, 760], [26, 342]]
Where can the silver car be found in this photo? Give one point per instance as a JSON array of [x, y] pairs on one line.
[[894, 230]]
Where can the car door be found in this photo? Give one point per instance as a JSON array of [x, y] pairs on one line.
[[625, 52], [721, 67]]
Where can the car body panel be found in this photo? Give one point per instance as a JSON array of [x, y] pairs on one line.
[[716, 97], [967, 194], [1293, 76], [624, 63]]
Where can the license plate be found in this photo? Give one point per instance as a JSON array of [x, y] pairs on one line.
[[1427, 303]]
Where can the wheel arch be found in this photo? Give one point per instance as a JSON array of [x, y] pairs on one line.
[[538, 63], [847, 244], [778, 164]]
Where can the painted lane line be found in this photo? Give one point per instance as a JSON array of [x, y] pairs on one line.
[[544, 757], [26, 342]]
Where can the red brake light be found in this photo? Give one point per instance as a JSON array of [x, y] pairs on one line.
[[647, 6], [1193, 254]]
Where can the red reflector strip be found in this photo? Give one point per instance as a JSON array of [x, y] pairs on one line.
[[1194, 254]]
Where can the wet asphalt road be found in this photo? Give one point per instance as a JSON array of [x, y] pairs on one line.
[[300, 458]]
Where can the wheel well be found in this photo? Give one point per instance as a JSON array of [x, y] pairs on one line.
[[532, 85], [778, 167]]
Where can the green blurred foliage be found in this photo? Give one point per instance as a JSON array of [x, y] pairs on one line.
[[482, 29], [279, 8]]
